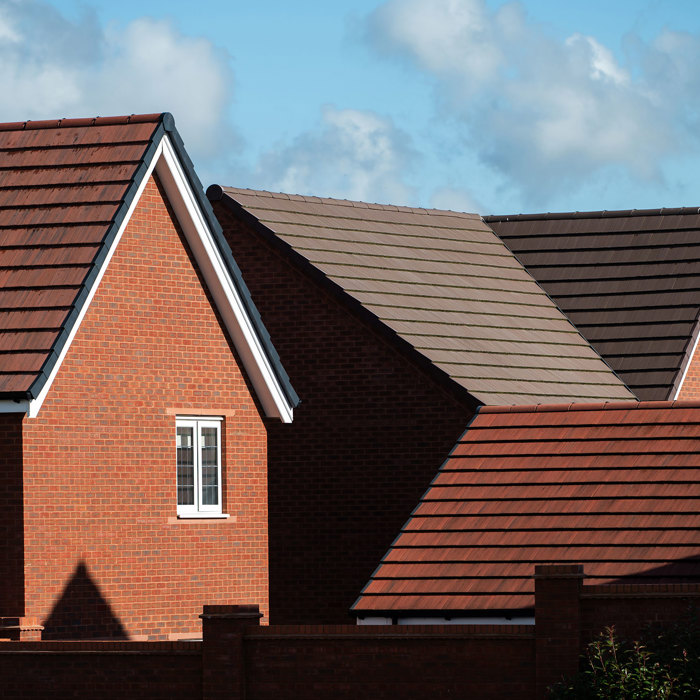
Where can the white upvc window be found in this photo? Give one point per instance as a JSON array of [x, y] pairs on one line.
[[198, 448]]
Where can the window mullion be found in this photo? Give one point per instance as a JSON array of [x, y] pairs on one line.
[[198, 466]]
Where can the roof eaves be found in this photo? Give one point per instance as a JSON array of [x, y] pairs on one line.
[[216, 193], [446, 613], [227, 255]]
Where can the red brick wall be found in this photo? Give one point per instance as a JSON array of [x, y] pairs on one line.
[[690, 388], [11, 514], [238, 659], [346, 663], [101, 670], [104, 554], [633, 608], [371, 432]]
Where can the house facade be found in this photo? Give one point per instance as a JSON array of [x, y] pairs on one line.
[[614, 487], [395, 324], [136, 377]]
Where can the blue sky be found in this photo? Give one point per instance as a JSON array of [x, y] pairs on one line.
[[478, 105]]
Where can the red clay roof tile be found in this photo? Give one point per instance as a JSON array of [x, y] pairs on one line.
[[62, 186], [613, 486]]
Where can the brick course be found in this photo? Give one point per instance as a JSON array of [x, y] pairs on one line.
[[690, 389], [371, 432], [11, 514], [104, 555]]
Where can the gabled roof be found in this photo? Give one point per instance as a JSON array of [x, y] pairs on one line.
[[442, 284], [628, 280], [613, 486], [67, 190]]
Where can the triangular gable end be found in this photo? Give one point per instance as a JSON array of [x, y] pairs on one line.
[[687, 384], [167, 158]]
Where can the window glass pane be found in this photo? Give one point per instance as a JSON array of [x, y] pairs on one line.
[[185, 466], [210, 466]]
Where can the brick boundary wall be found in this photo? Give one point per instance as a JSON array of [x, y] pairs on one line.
[[238, 659]]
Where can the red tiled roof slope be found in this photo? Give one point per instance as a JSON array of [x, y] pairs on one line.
[[443, 283], [628, 280], [63, 185], [613, 486]]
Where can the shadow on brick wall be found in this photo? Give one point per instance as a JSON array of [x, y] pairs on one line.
[[82, 612]]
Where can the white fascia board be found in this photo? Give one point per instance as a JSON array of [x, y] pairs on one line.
[[256, 363], [687, 360], [221, 286]]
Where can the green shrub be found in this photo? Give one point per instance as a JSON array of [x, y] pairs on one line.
[[665, 664]]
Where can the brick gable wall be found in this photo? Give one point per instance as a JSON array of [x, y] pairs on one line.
[[104, 554], [369, 435], [690, 390]]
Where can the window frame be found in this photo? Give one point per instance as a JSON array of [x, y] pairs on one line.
[[199, 509]]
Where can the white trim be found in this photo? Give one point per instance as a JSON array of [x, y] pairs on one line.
[[216, 275], [198, 508], [221, 286], [687, 361], [201, 516], [200, 417]]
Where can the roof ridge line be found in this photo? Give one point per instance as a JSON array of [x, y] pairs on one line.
[[605, 213], [90, 121], [599, 406], [358, 204]]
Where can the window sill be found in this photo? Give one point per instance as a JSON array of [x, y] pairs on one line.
[[194, 517]]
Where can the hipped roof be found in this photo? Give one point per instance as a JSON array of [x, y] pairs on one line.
[[628, 280], [615, 487], [442, 283]]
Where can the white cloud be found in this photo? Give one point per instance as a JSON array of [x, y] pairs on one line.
[[352, 154], [547, 114], [455, 199], [51, 67]]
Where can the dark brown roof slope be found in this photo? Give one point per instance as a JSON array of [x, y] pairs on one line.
[[446, 285], [614, 486], [628, 280], [62, 185]]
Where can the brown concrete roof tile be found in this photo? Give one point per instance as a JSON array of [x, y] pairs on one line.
[[624, 279], [614, 486], [63, 184], [443, 282]]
